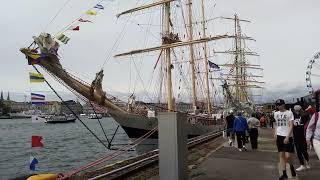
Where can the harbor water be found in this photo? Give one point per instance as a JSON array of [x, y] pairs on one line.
[[66, 146]]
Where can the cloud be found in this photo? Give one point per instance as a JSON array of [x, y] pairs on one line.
[[287, 92]]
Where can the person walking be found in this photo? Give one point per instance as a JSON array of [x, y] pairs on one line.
[[300, 118], [253, 124], [240, 126], [283, 132], [313, 132], [271, 120], [229, 127], [309, 111], [263, 121]]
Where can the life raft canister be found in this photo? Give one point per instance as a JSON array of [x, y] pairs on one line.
[[43, 177]]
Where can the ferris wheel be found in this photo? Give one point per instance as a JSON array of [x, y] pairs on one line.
[[313, 73]]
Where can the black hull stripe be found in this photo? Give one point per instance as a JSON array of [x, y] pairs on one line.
[[137, 133], [56, 122]]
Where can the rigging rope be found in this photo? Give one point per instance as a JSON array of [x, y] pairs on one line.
[[116, 43], [105, 135], [72, 111], [112, 155], [84, 99], [55, 16]]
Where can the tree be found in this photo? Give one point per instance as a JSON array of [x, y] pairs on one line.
[[4, 109]]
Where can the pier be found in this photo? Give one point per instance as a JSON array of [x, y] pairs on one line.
[[210, 157], [228, 163]]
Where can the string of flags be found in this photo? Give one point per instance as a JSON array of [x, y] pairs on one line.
[[36, 142], [36, 99], [76, 27]]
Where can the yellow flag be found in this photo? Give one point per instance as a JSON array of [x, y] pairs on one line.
[[91, 12], [36, 77], [33, 55]]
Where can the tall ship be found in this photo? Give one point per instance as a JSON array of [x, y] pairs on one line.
[[186, 81], [242, 74]]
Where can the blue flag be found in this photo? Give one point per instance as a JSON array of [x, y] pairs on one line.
[[213, 65], [98, 6], [33, 162]]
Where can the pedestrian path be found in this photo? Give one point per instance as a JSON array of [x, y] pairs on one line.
[[227, 163]]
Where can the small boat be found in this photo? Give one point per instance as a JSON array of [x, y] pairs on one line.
[[94, 116], [60, 119]]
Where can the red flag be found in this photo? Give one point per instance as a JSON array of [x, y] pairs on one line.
[[36, 141], [84, 20], [74, 28]]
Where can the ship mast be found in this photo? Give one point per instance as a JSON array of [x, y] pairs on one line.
[[236, 60], [170, 40], [240, 78], [205, 58], [192, 64], [167, 57]]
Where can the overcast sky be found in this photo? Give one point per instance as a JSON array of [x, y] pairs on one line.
[[287, 34]]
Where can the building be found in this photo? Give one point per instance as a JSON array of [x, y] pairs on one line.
[[76, 107], [19, 106], [90, 109], [51, 107]]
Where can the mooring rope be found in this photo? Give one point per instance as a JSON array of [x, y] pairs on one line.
[[112, 155]]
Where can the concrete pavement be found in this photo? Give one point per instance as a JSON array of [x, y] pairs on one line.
[[227, 163]]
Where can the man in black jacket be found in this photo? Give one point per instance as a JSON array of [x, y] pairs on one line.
[[300, 119], [229, 127]]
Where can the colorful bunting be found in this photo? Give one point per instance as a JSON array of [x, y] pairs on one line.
[[36, 141], [36, 77], [37, 119], [35, 58], [84, 20], [98, 6], [33, 162], [74, 28], [90, 12], [63, 38]]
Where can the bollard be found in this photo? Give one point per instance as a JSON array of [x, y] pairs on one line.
[[172, 146]]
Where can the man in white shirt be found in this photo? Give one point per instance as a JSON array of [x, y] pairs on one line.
[[283, 132]]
